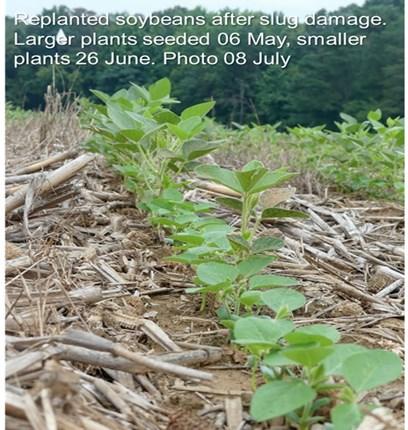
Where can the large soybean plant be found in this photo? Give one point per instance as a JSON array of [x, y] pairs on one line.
[[305, 370], [144, 139]]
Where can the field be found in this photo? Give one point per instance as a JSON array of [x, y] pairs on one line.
[[130, 307]]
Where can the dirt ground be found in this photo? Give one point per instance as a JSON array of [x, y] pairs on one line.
[[82, 259]]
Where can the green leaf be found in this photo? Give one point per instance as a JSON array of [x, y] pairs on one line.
[[323, 334], [193, 239], [186, 129], [282, 213], [238, 242], [260, 331], [133, 134], [190, 125], [186, 218], [218, 238], [166, 116], [216, 227], [252, 165], [271, 179], [371, 369], [197, 110], [267, 243], [348, 118], [101, 95], [207, 221], [271, 281], [163, 221], [160, 89], [121, 96], [202, 251], [216, 273], [223, 313], [254, 264], [346, 416], [197, 148], [250, 298], [190, 166], [277, 359], [333, 364], [187, 257], [281, 297], [209, 288], [220, 176], [248, 178], [308, 355], [231, 203], [120, 117], [137, 92], [374, 115], [178, 131], [279, 398], [172, 194]]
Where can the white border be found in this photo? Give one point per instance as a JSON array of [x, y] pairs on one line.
[[2, 198]]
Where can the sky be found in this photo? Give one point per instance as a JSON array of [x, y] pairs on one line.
[[289, 7]]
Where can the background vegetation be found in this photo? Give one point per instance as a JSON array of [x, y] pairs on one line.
[[365, 158], [320, 82]]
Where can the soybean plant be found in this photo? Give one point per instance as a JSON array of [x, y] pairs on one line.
[[307, 372], [148, 143], [233, 272]]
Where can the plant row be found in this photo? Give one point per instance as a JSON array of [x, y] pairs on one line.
[[361, 157], [299, 372]]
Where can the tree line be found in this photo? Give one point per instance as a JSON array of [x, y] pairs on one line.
[[319, 83]]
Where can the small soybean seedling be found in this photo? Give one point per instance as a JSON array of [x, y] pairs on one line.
[[259, 336], [217, 278], [310, 371], [250, 255], [204, 240], [238, 285], [249, 183], [170, 211]]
